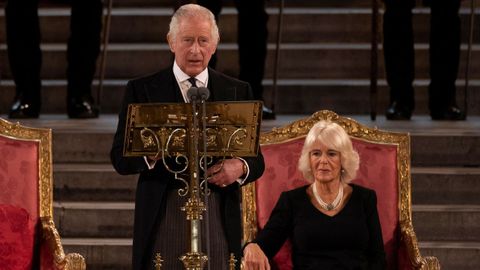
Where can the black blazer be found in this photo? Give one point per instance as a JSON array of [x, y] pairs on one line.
[[152, 184]]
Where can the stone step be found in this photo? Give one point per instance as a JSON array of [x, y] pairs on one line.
[[343, 24], [99, 182], [104, 219], [132, 60], [92, 182], [447, 222], [433, 143], [115, 219], [230, 3], [302, 96], [448, 185], [453, 255], [103, 254], [288, 3]]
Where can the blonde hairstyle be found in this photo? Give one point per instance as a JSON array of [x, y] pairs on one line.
[[192, 11], [333, 137]]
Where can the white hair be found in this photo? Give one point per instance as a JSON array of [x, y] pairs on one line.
[[333, 137], [192, 11]]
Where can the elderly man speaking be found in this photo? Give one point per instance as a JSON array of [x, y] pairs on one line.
[[159, 225]]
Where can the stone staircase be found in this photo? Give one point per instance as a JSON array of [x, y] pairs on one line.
[[324, 65], [316, 35]]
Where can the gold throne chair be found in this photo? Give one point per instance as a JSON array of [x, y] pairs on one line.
[[384, 167], [28, 237]]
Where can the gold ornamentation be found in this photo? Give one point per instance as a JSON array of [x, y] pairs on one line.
[[162, 119], [249, 209], [232, 262], [43, 137], [300, 129], [194, 260], [158, 261], [194, 208], [148, 140]]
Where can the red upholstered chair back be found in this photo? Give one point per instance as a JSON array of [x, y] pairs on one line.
[[384, 167], [19, 216], [28, 237]]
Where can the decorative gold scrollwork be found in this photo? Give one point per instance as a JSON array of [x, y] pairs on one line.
[[194, 208], [149, 138]]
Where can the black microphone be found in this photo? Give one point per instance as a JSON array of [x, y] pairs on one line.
[[192, 93], [204, 93], [201, 93]]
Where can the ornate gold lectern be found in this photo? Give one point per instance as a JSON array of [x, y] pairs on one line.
[[171, 131]]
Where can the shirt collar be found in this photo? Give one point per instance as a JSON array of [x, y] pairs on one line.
[[182, 76]]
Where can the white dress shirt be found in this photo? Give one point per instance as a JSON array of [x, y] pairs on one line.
[[184, 84]]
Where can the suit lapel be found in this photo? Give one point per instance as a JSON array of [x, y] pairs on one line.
[[163, 88], [219, 90]]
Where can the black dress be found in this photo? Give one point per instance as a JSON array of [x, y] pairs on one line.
[[352, 239]]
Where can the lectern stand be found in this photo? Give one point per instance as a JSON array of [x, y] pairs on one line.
[[171, 130]]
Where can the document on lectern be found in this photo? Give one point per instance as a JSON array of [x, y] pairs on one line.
[[231, 128]]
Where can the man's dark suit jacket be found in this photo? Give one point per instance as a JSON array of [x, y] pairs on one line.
[[152, 184]]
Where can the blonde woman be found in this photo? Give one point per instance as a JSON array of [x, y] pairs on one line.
[[332, 223]]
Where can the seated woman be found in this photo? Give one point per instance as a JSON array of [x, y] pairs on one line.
[[331, 223]]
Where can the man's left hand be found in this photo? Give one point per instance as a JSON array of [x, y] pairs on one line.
[[226, 174]]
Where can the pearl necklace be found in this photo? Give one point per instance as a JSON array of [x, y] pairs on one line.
[[329, 206]]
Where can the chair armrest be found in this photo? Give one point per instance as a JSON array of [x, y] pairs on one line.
[[71, 261], [418, 262]]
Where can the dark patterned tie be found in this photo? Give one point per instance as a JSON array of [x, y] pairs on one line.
[[193, 81]]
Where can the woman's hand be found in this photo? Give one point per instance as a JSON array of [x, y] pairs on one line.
[[254, 258]]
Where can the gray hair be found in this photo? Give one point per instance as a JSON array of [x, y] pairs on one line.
[[334, 137], [192, 11]]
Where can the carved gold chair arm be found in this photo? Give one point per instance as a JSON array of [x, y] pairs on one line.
[[411, 243], [71, 261]]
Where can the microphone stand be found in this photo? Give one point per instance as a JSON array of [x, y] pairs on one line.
[[195, 259]]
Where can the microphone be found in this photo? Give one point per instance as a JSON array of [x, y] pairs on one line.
[[204, 93], [200, 93]]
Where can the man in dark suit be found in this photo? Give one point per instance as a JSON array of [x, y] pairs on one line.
[[193, 38]]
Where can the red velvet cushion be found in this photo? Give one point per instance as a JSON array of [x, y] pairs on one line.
[[17, 234], [377, 171]]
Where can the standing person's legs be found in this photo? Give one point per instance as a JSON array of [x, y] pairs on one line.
[[252, 46], [25, 57], [399, 57], [83, 50], [444, 59]]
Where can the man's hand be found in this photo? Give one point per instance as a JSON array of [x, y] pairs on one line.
[[226, 174], [254, 258], [154, 158]]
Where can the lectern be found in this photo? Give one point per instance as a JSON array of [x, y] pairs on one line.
[[192, 134]]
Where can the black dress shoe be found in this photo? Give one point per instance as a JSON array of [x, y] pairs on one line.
[[22, 109], [397, 111], [82, 107], [452, 113], [267, 114]]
